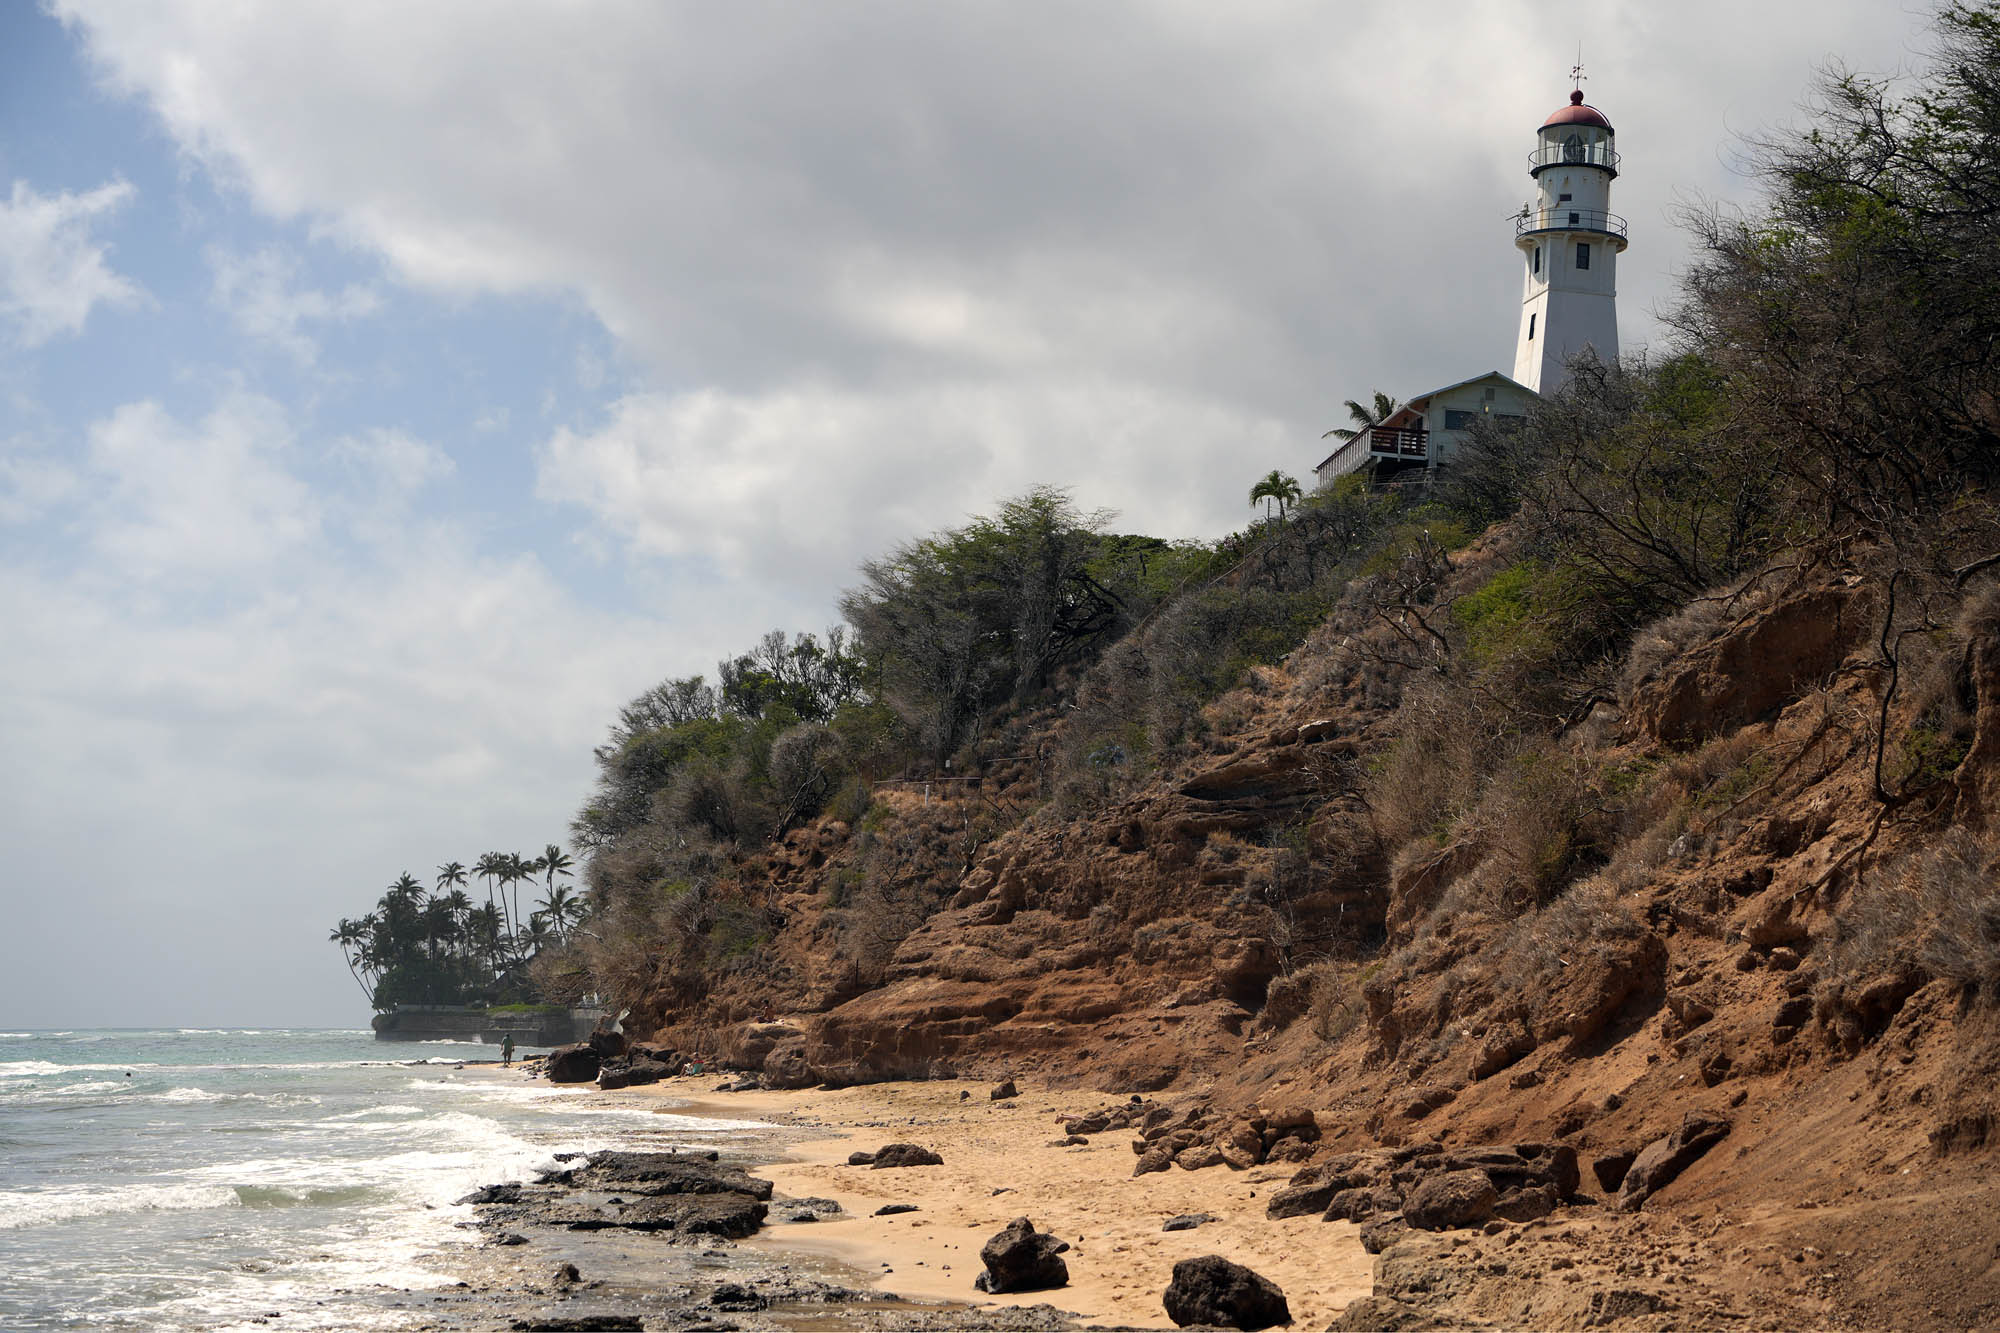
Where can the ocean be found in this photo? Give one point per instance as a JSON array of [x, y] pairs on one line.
[[219, 1179]]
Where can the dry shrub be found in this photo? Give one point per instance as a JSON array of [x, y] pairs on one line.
[[1447, 739], [1334, 1000], [1937, 910]]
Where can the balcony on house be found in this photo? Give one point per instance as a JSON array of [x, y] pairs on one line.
[[1398, 442]]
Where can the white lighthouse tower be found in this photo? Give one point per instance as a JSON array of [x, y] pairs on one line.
[[1570, 242]]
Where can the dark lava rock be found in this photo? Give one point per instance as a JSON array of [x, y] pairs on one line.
[[1003, 1090], [1452, 1199], [1610, 1168], [1019, 1258], [510, 1238], [668, 1173], [1151, 1160], [904, 1154], [1214, 1292], [582, 1323], [1186, 1221], [1664, 1159], [609, 1045], [891, 1209], [861, 1159], [492, 1194], [631, 1074], [572, 1064], [1380, 1232], [734, 1296]]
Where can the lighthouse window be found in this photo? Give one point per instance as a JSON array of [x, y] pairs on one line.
[[1583, 254], [1562, 198], [1538, 260], [1531, 326]]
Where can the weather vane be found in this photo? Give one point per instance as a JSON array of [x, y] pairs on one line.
[[1576, 73]]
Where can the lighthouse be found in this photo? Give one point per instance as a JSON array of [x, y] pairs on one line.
[[1570, 241]]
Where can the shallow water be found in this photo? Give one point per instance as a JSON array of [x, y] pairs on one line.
[[201, 1179]]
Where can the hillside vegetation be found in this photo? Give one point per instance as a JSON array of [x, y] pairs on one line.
[[1645, 767]]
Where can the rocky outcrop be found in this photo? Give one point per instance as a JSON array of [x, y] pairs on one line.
[[1432, 1188], [1753, 670], [632, 1191], [1019, 1258], [1215, 1293], [1665, 1158], [903, 1154], [572, 1064]]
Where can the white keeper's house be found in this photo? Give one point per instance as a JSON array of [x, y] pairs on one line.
[[1569, 242]]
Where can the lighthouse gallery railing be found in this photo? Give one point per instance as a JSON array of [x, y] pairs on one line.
[[1570, 219]]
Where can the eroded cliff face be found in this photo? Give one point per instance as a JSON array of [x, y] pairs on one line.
[[1238, 927]]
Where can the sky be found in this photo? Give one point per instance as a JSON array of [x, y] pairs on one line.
[[388, 392]]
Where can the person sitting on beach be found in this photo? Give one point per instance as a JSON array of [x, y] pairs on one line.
[[507, 1049]]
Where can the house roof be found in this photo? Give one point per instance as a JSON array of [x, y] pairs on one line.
[[1416, 399], [1410, 409]]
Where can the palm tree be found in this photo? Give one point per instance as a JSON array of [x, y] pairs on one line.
[[555, 863], [1375, 414], [351, 935], [1275, 486], [562, 909], [450, 876], [489, 867]]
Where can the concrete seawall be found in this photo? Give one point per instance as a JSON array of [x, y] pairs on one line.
[[418, 1023]]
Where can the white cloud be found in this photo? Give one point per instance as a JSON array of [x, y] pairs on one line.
[[175, 500], [798, 487], [245, 683], [1242, 212], [262, 294], [52, 273], [397, 463]]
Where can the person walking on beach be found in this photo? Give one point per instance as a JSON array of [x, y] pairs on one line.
[[507, 1049]]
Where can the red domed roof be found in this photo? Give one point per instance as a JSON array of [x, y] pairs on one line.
[[1576, 113]]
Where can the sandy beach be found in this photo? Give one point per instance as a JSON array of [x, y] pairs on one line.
[[1000, 1163]]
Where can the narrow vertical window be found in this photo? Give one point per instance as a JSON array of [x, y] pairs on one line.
[[1583, 254], [1531, 326], [1538, 260]]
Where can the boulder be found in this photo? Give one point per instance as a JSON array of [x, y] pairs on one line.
[[631, 1073], [1451, 1199], [861, 1159], [892, 1209], [1378, 1233], [1151, 1160], [737, 1298], [1610, 1168], [1213, 1292], [786, 1067], [1019, 1258], [1199, 1157], [608, 1044], [904, 1154], [1187, 1221], [1003, 1090], [572, 1064], [1664, 1159]]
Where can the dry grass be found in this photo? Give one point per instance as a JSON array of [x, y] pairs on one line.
[[1668, 639], [1937, 910]]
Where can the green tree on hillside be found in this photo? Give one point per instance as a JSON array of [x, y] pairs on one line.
[[1275, 485]]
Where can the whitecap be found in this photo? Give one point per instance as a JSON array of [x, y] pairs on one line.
[[33, 1208]]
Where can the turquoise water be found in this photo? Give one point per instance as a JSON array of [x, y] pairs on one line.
[[197, 1179]]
